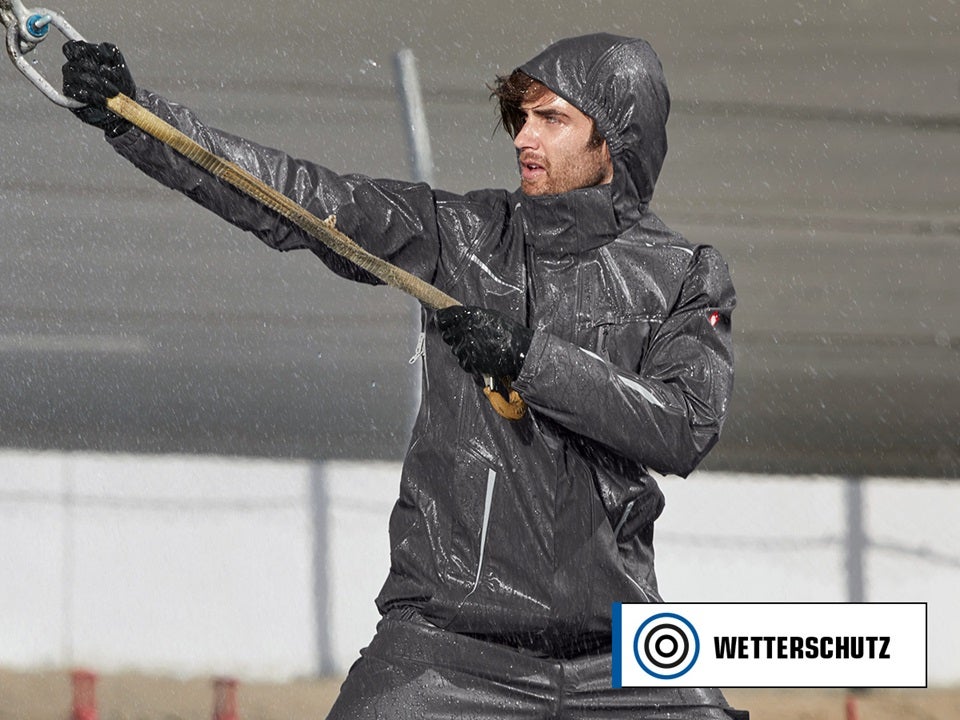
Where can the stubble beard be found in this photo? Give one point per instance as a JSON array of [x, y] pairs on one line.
[[591, 169]]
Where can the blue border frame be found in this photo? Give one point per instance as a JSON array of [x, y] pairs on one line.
[[616, 635]]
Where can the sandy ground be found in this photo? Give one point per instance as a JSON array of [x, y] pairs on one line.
[[48, 696]]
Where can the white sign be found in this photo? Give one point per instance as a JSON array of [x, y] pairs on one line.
[[822, 645]]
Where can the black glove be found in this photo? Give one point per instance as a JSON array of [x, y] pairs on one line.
[[92, 74], [485, 342]]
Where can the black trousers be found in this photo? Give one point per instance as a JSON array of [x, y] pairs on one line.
[[414, 670]]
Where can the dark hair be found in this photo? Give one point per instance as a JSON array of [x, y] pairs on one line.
[[512, 90]]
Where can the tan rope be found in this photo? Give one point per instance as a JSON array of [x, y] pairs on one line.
[[323, 230]]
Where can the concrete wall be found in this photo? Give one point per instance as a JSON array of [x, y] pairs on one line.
[[268, 570]]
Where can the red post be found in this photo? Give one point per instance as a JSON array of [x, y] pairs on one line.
[[853, 711], [225, 699], [84, 695]]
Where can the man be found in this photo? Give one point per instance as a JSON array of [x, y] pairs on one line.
[[511, 539]]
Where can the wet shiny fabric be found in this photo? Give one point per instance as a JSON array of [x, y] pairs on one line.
[[530, 529], [413, 670]]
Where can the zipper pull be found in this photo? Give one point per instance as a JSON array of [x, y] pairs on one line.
[[421, 348]]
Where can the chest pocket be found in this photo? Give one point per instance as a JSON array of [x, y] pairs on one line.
[[623, 342], [619, 309]]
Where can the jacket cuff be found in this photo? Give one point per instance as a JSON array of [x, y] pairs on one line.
[[123, 142], [130, 137], [533, 362]]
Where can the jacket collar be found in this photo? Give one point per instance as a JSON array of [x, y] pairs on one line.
[[570, 223]]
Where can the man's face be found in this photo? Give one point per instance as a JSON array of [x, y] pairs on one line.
[[553, 147]]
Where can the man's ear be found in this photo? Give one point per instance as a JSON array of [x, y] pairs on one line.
[[608, 160]]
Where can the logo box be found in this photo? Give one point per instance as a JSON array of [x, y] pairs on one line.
[[822, 645]]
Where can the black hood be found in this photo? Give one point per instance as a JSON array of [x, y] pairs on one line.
[[619, 82]]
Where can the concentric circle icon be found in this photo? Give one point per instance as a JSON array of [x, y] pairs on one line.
[[666, 646]]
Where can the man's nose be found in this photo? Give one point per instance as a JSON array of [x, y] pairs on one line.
[[526, 138]]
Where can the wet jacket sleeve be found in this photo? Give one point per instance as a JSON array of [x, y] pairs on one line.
[[667, 413], [392, 219]]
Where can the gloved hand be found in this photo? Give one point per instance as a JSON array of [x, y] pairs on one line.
[[485, 342], [92, 74]]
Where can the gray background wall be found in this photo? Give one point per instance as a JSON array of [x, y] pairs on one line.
[[815, 144]]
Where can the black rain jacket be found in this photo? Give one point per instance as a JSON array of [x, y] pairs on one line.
[[525, 532]]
